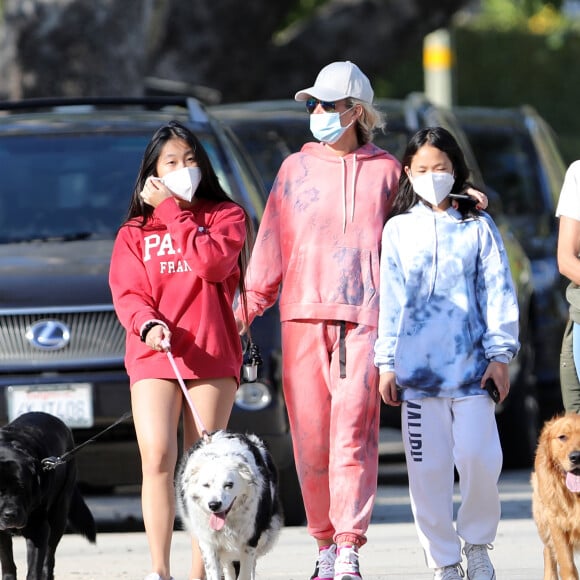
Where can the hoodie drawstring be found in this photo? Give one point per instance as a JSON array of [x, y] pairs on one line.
[[433, 274], [342, 178], [352, 189]]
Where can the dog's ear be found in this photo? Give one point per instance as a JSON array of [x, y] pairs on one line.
[[545, 436], [245, 472], [544, 456], [27, 460], [189, 473]]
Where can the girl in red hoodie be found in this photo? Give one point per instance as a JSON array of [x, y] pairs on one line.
[[176, 265]]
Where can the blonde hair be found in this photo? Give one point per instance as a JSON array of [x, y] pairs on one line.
[[370, 121]]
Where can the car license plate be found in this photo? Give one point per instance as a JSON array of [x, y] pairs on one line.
[[71, 402]]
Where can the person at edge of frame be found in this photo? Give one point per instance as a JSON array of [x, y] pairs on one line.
[[568, 252]]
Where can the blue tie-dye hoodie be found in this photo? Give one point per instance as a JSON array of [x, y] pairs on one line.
[[447, 304]]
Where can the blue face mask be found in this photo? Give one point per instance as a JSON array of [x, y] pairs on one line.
[[326, 127]]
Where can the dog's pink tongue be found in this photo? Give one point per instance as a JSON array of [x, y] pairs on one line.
[[217, 521], [573, 482]]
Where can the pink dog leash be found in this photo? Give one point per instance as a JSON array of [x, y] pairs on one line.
[[167, 346]]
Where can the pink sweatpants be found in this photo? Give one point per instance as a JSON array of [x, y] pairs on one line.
[[334, 423]]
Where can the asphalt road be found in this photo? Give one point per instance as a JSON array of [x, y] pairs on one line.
[[392, 551]]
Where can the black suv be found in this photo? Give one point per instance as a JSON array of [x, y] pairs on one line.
[[68, 170], [271, 130], [519, 158]]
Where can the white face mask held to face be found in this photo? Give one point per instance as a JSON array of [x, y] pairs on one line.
[[183, 182], [433, 187]]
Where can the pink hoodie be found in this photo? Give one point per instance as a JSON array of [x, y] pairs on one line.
[[320, 235]]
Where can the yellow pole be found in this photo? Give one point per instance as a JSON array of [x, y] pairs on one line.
[[438, 60]]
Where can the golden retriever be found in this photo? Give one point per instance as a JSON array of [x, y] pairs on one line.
[[556, 495]]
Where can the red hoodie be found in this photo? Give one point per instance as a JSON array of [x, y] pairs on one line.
[[321, 233], [182, 268]]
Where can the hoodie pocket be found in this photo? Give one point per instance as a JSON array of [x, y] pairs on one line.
[[330, 275]]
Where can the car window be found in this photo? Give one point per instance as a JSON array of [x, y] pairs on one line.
[[249, 191], [508, 161], [268, 159], [552, 166], [214, 153], [269, 141], [55, 185], [76, 185]]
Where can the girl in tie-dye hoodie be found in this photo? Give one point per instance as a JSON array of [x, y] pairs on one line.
[[448, 322]]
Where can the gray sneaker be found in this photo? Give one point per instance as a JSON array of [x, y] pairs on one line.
[[479, 566], [454, 572]]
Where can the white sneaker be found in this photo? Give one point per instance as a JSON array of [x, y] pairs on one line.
[[479, 566], [324, 569], [454, 572], [155, 576], [346, 564]]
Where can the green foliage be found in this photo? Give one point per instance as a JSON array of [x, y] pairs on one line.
[[501, 14], [506, 69], [522, 51], [537, 16]]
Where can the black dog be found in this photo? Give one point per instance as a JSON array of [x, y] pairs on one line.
[[34, 502]]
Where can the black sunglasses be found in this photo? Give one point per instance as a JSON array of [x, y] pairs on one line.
[[312, 103]]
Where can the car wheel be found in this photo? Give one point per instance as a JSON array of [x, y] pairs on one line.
[[291, 497]]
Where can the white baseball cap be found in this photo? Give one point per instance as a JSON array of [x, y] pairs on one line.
[[339, 80]]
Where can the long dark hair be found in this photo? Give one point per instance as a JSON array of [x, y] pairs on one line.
[[209, 187], [443, 140], [139, 213]]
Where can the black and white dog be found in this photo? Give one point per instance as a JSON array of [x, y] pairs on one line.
[[227, 497]]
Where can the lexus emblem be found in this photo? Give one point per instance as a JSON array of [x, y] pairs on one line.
[[48, 335]]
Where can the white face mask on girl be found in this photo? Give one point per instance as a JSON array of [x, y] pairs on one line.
[[326, 127], [433, 187], [183, 182]]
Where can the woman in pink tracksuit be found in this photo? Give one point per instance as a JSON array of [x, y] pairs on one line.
[[319, 242]]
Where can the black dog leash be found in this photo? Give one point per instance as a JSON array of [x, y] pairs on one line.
[[49, 463]]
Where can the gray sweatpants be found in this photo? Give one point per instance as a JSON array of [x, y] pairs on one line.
[[438, 434]]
